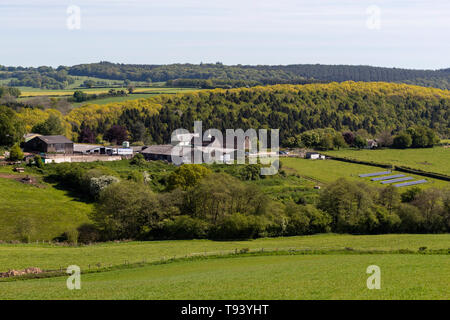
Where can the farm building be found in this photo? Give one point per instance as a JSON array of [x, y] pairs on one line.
[[102, 150], [49, 144], [158, 152], [314, 155], [164, 152]]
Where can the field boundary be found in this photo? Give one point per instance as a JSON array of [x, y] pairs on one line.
[[223, 254]]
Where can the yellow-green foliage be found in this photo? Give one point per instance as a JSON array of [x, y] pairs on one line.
[[375, 105], [34, 116]]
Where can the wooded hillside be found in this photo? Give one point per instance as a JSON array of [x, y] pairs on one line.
[[291, 108]]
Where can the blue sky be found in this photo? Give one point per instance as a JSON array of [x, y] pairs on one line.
[[411, 33]]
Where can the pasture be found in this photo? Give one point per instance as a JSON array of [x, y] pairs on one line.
[[52, 256], [33, 92], [435, 159], [403, 276], [326, 171], [39, 212]]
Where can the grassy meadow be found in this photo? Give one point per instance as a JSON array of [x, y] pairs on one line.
[[403, 276], [52, 256], [35, 92], [435, 159], [41, 212], [325, 171]]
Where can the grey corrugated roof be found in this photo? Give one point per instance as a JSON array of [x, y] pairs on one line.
[[165, 149], [79, 147], [54, 139]]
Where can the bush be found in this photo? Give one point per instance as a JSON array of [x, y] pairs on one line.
[[138, 160], [96, 185], [360, 142], [88, 233], [402, 141], [411, 221], [410, 194], [38, 161], [187, 176], [298, 221], [185, 227], [15, 153], [136, 176], [250, 172], [127, 210], [237, 226]]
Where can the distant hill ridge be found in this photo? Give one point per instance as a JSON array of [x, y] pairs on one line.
[[247, 74]]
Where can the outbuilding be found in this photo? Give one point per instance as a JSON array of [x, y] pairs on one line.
[[49, 144]]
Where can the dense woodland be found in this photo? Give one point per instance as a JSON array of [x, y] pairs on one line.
[[50, 78], [371, 108], [374, 107]]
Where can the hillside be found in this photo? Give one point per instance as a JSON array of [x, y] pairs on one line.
[[234, 75], [38, 212], [264, 73], [291, 108]]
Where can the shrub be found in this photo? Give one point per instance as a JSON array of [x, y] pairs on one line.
[[38, 161], [402, 141], [138, 160], [237, 226], [127, 210], [185, 227], [187, 176], [96, 185], [88, 233], [360, 142], [298, 221], [15, 153], [410, 194], [411, 221], [250, 172]]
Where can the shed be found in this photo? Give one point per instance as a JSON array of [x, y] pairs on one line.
[[49, 144]]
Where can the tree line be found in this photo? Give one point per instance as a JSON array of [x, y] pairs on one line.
[[201, 201], [157, 73], [50, 78]]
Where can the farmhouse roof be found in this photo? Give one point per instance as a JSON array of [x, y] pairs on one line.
[[54, 139]]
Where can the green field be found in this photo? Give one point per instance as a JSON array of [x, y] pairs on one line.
[[45, 256], [435, 159], [258, 277], [36, 92], [325, 171], [46, 210]]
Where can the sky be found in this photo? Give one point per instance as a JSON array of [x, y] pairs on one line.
[[397, 33]]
